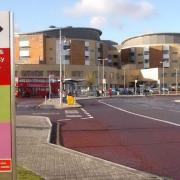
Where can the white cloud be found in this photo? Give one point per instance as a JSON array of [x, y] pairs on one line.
[[88, 7], [98, 21], [103, 12]]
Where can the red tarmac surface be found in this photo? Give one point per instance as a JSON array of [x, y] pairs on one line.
[[124, 138]]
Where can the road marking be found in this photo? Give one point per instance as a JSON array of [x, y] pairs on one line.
[[88, 118], [46, 113], [157, 108], [87, 114], [64, 120], [71, 112], [174, 111], [140, 115], [73, 115]]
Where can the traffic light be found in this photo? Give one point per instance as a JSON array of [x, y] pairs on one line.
[[1, 28]]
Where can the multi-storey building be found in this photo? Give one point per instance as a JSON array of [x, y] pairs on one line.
[[158, 50], [149, 58], [79, 50]]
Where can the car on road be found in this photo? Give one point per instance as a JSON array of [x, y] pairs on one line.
[[166, 90]]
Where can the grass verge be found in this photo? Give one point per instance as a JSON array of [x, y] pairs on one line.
[[23, 174]]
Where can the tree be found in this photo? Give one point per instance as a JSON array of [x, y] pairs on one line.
[[90, 79]]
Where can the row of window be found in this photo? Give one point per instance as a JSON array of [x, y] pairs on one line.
[[77, 74], [170, 74]]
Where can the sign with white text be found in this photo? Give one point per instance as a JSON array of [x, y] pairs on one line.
[[6, 116]]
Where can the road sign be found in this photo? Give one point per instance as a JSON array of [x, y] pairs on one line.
[[6, 97], [104, 81]]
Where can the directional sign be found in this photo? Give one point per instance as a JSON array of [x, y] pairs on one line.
[[6, 88]]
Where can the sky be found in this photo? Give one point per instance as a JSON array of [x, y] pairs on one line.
[[117, 19]]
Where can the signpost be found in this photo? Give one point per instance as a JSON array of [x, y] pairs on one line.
[[7, 124]]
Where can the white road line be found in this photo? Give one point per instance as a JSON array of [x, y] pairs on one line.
[[88, 118], [140, 115], [174, 111], [87, 114], [71, 112], [63, 120], [48, 113], [157, 108], [73, 115]]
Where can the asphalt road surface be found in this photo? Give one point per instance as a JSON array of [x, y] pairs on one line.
[[143, 133], [140, 132]]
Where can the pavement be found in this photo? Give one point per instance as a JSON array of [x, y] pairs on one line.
[[54, 162]]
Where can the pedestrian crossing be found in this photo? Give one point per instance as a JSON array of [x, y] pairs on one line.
[[69, 114], [74, 114]]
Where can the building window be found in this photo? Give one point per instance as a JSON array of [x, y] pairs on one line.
[[109, 56], [55, 73], [115, 56], [23, 58], [140, 62], [174, 61], [165, 75], [146, 61], [32, 73], [146, 52], [87, 43], [86, 48], [174, 52], [86, 58], [67, 57], [66, 47], [132, 53], [173, 74], [115, 63], [77, 73], [24, 43], [117, 76], [165, 60], [165, 51], [140, 54]]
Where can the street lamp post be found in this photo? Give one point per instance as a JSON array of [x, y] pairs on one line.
[[124, 78], [103, 79], [159, 83], [49, 86], [104, 83], [60, 68], [162, 62], [135, 89], [98, 75], [163, 78], [176, 80]]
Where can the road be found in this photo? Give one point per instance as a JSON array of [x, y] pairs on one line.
[[145, 140], [141, 132]]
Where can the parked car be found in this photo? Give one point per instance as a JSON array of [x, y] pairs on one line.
[[166, 90], [148, 90]]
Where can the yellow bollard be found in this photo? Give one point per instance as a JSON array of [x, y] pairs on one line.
[[70, 100]]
